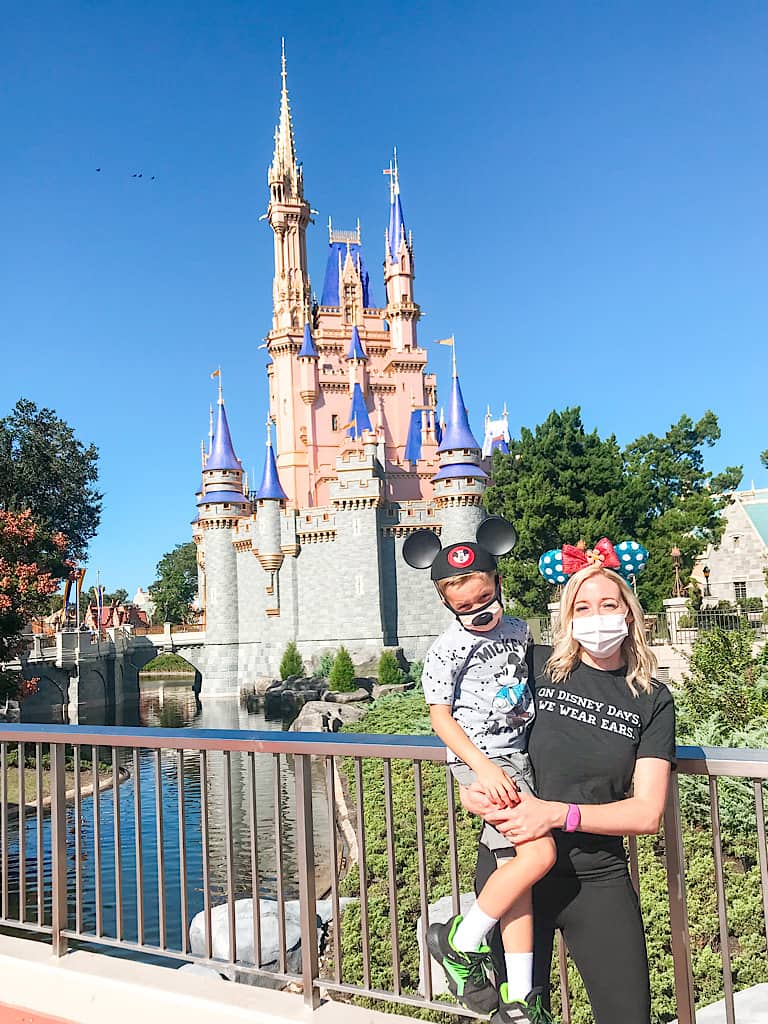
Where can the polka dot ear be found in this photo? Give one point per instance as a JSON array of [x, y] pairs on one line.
[[551, 566], [633, 557], [421, 548]]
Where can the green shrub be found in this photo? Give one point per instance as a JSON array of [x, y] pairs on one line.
[[414, 672], [169, 662], [342, 674], [325, 664], [292, 663], [389, 671]]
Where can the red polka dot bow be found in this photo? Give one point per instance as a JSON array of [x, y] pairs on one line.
[[579, 557]]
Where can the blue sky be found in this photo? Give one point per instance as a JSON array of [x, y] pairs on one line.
[[585, 183]]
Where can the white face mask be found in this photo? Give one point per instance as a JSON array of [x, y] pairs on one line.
[[601, 635]]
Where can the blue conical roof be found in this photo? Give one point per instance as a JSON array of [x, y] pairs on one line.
[[396, 232], [356, 350], [308, 349], [358, 414], [270, 487], [222, 454], [457, 433]]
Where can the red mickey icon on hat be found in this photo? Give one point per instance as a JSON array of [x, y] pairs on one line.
[[460, 557]]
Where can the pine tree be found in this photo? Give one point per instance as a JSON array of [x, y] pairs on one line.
[[292, 663], [342, 677], [389, 672]]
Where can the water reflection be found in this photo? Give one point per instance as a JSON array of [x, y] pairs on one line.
[[167, 800]]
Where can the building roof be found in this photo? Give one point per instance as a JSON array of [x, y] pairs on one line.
[[460, 469], [413, 442], [356, 350], [396, 230], [222, 454], [337, 254], [359, 419], [270, 488], [219, 497], [457, 433], [758, 513], [308, 350]]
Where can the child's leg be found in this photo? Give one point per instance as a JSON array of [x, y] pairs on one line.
[[517, 939], [511, 880]]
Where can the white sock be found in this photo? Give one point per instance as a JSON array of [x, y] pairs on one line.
[[473, 929], [519, 974]]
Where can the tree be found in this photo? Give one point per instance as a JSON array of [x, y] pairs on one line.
[[764, 458], [342, 677], [176, 584], [560, 484], [292, 663], [389, 672], [44, 468], [31, 565], [119, 596]]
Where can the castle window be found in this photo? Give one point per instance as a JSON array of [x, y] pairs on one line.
[[740, 591], [334, 421]]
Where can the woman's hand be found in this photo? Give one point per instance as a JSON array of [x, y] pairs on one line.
[[532, 818]]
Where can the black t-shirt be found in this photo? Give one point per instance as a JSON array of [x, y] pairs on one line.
[[587, 735]]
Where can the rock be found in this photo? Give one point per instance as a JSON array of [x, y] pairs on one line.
[[253, 697], [440, 911], [751, 1005], [202, 970], [270, 943], [283, 699], [323, 716], [382, 691], [347, 698]]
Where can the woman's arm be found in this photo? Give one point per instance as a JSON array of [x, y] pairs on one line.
[[640, 814]]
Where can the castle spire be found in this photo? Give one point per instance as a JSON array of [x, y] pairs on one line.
[[222, 455], [396, 232], [270, 488], [457, 433], [285, 168]]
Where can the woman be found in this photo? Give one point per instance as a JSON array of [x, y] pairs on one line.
[[602, 747]]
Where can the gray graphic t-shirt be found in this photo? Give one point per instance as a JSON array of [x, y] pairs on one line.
[[484, 678]]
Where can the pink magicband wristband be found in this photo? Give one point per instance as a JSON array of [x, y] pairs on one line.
[[572, 818]]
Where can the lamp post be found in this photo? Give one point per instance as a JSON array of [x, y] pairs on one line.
[[678, 590], [706, 570]]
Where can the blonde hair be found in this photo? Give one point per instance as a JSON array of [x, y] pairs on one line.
[[448, 581], [566, 655]]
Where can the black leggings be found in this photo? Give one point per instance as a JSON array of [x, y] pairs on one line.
[[603, 930]]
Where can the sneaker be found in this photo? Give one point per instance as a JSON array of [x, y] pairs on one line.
[[469, 975], [530, 1010]]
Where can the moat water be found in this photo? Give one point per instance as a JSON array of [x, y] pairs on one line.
[[170, 704]]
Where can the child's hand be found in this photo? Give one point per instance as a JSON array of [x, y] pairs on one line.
[[498, 786]]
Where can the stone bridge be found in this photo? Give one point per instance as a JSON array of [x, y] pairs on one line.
[[84, 676]]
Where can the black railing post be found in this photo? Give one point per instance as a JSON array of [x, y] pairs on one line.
[[305, 853], [674, 856], [59, 848]]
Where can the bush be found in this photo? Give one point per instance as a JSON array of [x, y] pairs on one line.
[[414, 672], [389, 671], [726, 683], [325, 664], [342, 674], [292, 663]]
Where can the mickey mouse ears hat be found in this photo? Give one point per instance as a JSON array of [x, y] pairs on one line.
[[495, 537]]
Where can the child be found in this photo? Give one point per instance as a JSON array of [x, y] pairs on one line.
[[475, 682]]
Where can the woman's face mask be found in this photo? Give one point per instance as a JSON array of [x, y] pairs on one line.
[[601, 635]]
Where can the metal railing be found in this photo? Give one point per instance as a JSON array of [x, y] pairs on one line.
[[684, 626], [116, 837]]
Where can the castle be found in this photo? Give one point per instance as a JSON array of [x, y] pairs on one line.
[[361, 459]]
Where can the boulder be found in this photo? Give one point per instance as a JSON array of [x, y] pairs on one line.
[[439, 912], [323, 716], [382, 691], [347, 698], [270, 942], [202, 971]]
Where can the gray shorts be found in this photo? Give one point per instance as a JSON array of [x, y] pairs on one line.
[[517, 765]]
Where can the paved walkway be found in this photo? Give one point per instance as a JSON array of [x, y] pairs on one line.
[[15, 1015]]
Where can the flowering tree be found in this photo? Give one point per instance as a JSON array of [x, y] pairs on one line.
[[32, 562]]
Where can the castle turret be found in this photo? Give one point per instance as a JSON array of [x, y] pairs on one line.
[[270, 499], [460, 482], [402, 312], [220, 505]]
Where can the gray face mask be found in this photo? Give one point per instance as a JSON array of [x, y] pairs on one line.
[[601, 635]]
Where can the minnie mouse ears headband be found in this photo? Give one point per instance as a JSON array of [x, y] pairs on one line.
[[627, 559], [494, 537]]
